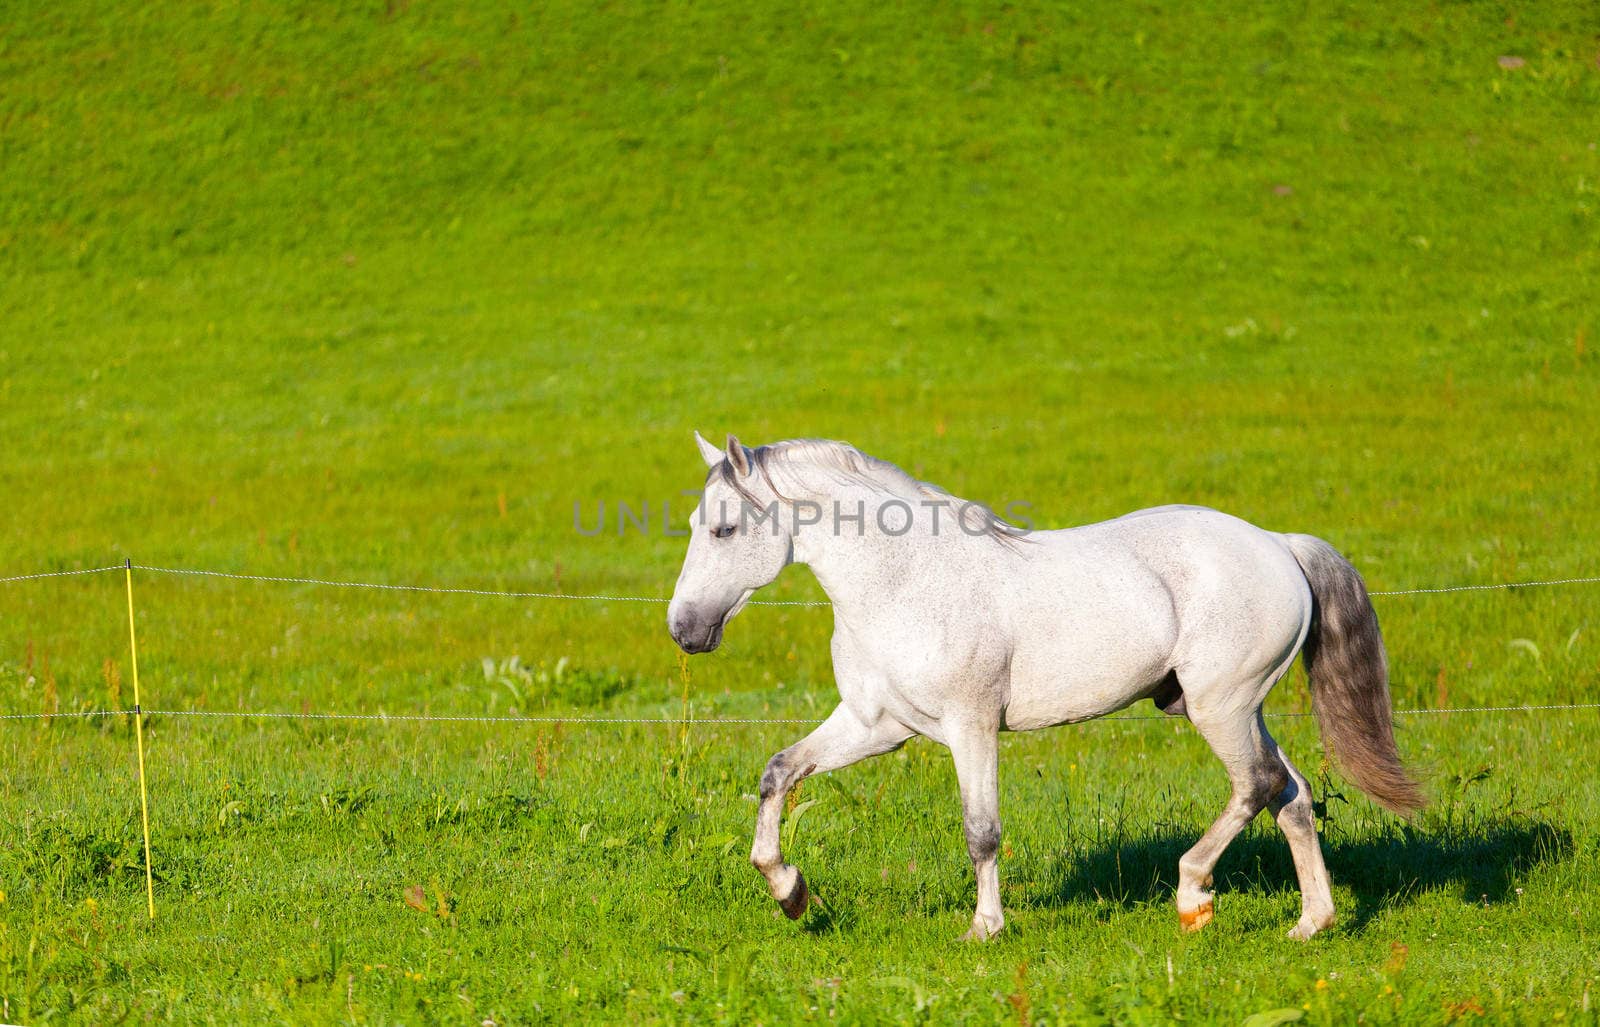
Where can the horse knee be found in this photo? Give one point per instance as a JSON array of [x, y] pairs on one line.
[[983, 840], [780, 775], [772, 778]]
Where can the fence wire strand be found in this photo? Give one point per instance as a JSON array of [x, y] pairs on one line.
[[59, 574], [1508, 586], [601, 598]]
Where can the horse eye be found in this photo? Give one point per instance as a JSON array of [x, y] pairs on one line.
[[725, 531]]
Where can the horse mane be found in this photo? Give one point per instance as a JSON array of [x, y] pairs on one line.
[[788, 461]]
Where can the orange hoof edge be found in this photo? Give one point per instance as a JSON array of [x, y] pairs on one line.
[[1195, 920]]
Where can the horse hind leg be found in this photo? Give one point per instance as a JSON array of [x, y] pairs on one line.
[[1257, 776], [1292, 808]]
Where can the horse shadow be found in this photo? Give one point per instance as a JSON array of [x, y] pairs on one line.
[[1483, 863]]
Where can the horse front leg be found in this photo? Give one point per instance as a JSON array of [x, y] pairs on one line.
[[837, 742], [976, 751]]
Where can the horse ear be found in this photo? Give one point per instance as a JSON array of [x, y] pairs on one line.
[[709, 453], [738, 456]]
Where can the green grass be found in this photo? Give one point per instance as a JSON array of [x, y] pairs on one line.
[[380, 293]]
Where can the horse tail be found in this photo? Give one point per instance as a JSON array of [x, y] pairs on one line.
[[1344, 658]]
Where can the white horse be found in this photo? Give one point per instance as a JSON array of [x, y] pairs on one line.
[[951, 624]]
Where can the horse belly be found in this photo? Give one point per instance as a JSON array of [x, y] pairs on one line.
[[1089, 668], [1051, 695]]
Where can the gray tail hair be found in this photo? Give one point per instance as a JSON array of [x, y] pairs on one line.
[[1349, 674]]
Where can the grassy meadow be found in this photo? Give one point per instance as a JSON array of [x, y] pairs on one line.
[[386, 292]]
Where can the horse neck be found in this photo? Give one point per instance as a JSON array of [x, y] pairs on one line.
[[863, 568]]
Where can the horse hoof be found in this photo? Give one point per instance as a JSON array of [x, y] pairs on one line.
[[794, 904], [1307, 927], [979, 932], [1196, 919]]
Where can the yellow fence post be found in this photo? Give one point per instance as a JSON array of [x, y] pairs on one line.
[[138, 734]]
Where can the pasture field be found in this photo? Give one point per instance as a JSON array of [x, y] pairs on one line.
[[382, 292]]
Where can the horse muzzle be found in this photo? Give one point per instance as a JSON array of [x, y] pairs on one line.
[[696, 634]]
